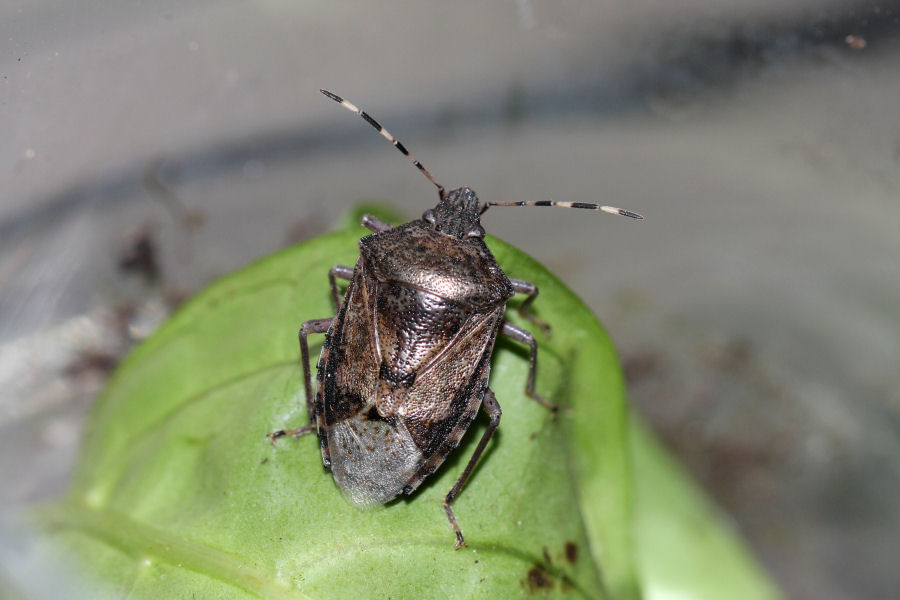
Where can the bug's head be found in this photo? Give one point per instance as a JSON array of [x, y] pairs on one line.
[[456, 215]]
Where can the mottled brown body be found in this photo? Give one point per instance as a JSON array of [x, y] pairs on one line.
[[407, 359]]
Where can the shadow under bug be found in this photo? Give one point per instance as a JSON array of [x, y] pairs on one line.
[[405, 364]]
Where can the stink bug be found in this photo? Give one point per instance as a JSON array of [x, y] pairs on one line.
[[405, 363]]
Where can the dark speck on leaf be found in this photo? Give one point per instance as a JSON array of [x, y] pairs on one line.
[[571, 552], [538, 579]]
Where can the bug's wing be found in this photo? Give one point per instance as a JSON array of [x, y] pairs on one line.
[[446, 396], [372, 457], [351, 368]]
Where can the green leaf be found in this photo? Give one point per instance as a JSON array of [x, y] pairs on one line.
[[685, 548], [180, 494]]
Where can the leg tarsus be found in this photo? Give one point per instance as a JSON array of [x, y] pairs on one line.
[[460, 540], [294, 433]]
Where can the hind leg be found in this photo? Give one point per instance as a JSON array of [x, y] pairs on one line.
[[492, 408]]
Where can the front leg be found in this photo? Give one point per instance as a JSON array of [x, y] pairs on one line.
[[312, 326], [521, 286], [524, 337], [370, 222], [340, 271]]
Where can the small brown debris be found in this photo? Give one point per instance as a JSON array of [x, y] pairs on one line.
[[539, 579], [571, 552], [140, 256], [92, 362]]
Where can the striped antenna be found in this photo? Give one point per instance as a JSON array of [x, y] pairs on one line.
[[387, 135], [585, 205]]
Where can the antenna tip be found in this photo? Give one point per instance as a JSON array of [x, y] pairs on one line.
[[334, 97], [614, 210]]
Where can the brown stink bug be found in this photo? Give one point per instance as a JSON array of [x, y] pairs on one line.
[[405, 363]]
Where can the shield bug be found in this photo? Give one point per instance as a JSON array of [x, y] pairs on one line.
[[405, 364]]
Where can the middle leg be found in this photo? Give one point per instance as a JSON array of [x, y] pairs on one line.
[[520, 286], [313, 326], [523, 336]]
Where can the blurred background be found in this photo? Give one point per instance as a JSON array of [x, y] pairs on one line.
[[149, 148]]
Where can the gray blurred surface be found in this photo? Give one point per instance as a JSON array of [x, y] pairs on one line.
[[151, 147]]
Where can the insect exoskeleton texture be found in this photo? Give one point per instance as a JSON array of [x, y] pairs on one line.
[[405, 365]]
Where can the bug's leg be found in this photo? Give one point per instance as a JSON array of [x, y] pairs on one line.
[[524, 337], [312, 326], [375, 224], [529, 289], [333, 273], [492, 408]]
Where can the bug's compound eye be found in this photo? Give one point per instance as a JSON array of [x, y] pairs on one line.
[[428, 216], [475, 232]]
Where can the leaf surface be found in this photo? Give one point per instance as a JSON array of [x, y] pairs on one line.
[[180, 494]]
